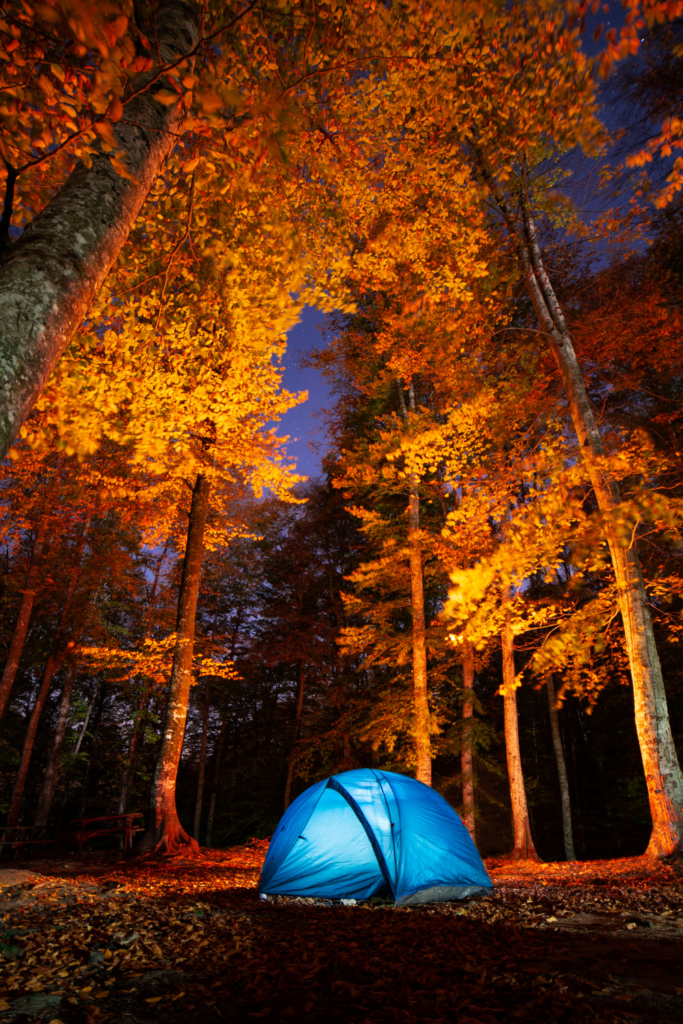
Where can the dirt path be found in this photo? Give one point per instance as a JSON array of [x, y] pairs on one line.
[[190, 941]]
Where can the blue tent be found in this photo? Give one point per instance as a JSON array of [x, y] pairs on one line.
[[369, 833]]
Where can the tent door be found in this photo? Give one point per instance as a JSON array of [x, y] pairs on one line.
[[333, 784]]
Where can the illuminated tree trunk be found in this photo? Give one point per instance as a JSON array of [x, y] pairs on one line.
[[202, 763], [423, 742], [297, 727], [21, 629], [663, 774], [51, 778], [51, 274], [164, 832], [561, 772], [467, 744], [524, 848], [61, 649]]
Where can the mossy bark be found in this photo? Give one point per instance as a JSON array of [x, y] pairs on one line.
[[53, 271]]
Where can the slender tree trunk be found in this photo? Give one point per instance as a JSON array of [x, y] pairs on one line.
[[100, 697], [561, 772], [422, 722], [202, 763], [61, 648], [132, 748], [52, 770], [137, 723], [216, 776], [663, 774], [91, 705], [297, 727], [467, 741], [21, 629], [524, 848], [53, 271], [221, 738], [164, 832]]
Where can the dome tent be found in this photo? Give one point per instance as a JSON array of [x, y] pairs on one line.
[[372, 833]]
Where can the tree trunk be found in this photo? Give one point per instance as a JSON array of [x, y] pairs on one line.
[[663, 774], [91, 705], [101, 697], [524, 848], [467, 744], [214, 785], [202, 763], [561, 772], [297, 727], [128, 771], [53, 271], [21, 629], [52, 770], [61, 648], [164, 832], [423, 742]]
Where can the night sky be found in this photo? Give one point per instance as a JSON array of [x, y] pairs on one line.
[[305, 423]]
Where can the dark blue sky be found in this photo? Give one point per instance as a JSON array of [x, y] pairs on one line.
[[305, 423]]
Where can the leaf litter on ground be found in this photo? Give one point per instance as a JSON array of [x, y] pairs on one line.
[[116, 939]]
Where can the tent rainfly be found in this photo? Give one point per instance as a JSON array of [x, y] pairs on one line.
[[370, 833]]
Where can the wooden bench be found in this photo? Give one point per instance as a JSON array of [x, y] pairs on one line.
[[18, 836], [122, 825]]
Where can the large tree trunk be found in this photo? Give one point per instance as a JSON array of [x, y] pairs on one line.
[[61, 648], [164, 832], [561, 772], [663, 774], [524, 848], [297, 727], [467, 741], [21, 629], [51, 778], [202, 763], [53, 271], [422, 722]]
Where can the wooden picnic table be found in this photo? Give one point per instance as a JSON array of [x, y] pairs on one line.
[[107, 825]]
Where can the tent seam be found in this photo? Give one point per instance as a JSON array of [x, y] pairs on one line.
[[365, 824], [291, 846]]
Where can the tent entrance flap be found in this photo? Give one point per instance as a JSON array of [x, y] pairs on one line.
[[333, 784]]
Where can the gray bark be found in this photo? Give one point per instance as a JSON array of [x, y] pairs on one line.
[[202, 764], [561, 772], [51, 777], [54, 270]]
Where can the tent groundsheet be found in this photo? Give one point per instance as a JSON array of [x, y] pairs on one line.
[[371, 833]]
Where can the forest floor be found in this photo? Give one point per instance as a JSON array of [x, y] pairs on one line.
[[106, 938]]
